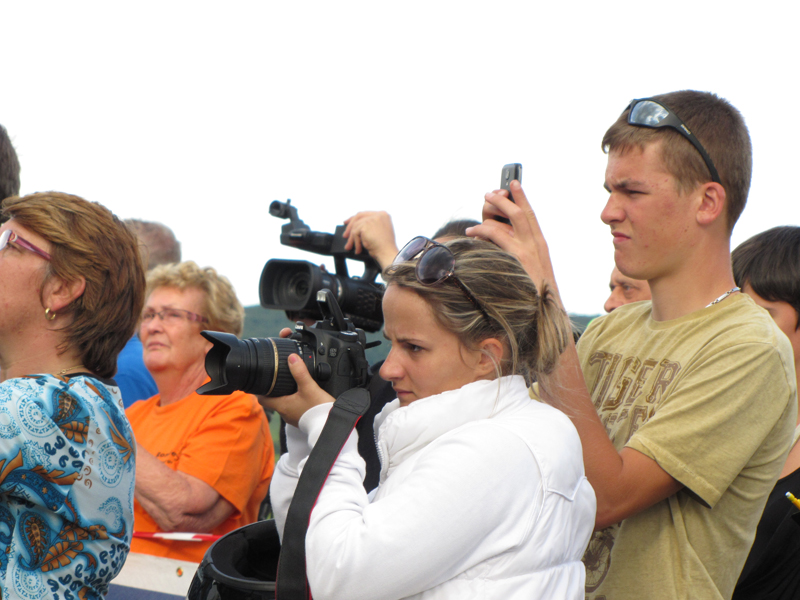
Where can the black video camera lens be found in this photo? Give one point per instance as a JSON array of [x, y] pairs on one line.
[[292, 285], [293, 288]]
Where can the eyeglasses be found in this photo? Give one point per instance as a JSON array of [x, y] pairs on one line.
[[651, 113], [172, 315], [11, 237], [435, 263]]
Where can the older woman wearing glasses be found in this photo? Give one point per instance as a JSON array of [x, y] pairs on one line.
[[72, 289], [482, 491], [204, 462]]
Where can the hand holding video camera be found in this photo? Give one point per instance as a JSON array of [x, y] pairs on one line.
[[372, 232], [292, 285]]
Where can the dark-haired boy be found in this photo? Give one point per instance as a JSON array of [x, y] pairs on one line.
[[767, 267], [685, 405]]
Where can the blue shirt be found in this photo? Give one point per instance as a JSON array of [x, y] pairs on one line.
[[133, 378], [67, 464]]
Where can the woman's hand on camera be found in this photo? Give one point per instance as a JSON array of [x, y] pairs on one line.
[[308, 394]]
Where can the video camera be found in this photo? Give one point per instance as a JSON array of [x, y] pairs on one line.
[[292, 285]]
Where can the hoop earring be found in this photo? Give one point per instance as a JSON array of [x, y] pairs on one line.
[[50, 316]]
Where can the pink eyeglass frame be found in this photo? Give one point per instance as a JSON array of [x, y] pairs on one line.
[[150, 315], [9, 236]]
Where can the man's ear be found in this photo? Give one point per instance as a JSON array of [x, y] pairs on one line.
[[712, 203], [491, 356], [58, 294]]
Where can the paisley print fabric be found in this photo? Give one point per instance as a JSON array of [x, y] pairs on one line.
[[67, 463]]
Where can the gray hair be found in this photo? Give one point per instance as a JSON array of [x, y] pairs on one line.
[[158, 244]]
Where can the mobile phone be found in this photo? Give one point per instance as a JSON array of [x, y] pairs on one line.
[[509, 173]]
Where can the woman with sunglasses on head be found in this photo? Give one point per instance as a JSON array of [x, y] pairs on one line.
[[204, 462], [72, 289], [482, 492]]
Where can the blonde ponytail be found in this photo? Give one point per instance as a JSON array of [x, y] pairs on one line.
[[553, 332]]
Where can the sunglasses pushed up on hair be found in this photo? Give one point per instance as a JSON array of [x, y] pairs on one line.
[[647, 112], [435, 263]]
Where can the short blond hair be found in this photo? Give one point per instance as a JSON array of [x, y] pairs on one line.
[[220, 305]]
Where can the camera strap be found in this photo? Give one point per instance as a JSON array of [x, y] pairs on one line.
[[292, 581]]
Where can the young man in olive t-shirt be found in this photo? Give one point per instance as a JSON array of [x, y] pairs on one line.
[[686, 404]]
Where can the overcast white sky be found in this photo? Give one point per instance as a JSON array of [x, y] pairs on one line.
[[200, 114]]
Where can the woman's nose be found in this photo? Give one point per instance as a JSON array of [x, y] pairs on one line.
[[390, 369]]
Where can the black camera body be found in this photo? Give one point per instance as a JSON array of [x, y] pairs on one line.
[[333, 350], [292, 285]]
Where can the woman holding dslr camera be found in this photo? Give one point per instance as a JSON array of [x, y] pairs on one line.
[[482, 491]]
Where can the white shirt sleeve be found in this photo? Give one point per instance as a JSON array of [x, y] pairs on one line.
[[290, 465]]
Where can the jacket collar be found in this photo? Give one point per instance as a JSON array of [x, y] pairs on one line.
[[403, 431]]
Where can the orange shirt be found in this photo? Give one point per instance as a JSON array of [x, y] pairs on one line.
[[223, 441]]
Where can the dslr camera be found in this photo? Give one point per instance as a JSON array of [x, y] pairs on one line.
[[333, 351], [292, 285]]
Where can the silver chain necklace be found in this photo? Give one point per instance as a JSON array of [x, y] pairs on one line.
[[733, 290]]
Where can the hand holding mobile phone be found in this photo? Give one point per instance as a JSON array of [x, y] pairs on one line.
[[509, 173]]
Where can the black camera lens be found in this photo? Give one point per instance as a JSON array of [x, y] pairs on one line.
[[293, 288], [289, 285], [332, 350], [255, 365], [292, 285]]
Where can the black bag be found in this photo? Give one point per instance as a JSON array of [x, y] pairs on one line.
[[250, 563]]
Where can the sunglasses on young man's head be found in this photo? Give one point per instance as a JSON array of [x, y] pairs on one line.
[[435, 263], [652, 113]]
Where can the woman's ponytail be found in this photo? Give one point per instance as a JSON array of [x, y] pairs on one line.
[[553, 330]]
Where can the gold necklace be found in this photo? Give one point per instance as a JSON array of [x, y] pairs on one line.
[[64, 371]]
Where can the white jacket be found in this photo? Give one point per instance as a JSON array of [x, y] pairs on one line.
[[482, 495]]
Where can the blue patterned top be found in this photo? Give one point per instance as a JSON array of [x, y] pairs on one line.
[[67, 459]]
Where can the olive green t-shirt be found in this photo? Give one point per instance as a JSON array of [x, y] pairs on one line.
[[712, 398]]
